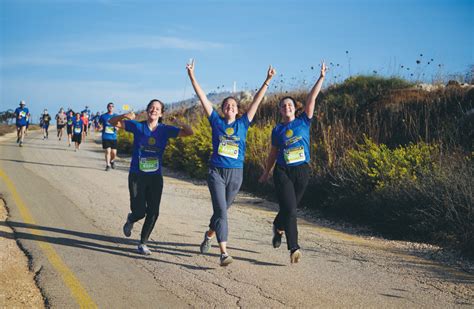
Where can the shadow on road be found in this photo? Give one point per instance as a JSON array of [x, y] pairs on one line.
[[111, 246]]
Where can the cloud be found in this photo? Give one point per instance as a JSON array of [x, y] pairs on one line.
[[58, 61], [129, 42], [79, 53]]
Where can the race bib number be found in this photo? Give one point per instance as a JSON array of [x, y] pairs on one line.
[[22, 114], [294, 155], [109, 130], [77, 130], [148, 165], [228, 149]]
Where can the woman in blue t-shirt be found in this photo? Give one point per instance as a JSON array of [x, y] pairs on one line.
[[227, 159], [145, 179], [291, 152]]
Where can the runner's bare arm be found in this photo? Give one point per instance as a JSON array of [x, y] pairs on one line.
[[260, 94], [118, 121], [206, 104], [269, 165], [311, 100]]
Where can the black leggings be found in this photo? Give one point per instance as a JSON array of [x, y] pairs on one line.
[[145, 197], [290, 184]]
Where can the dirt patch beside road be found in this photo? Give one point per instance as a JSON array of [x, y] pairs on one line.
[[17, 284]]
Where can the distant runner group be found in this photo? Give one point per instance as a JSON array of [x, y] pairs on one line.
[[289, 157]]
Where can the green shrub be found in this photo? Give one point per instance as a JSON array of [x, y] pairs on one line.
[[258, 147], [375, 166], [124, 142], [191, 153]]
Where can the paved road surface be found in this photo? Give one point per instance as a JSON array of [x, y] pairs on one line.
[[68, 214]]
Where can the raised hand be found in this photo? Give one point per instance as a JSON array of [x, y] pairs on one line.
[[271, 72], [323, 69], [190, 68]]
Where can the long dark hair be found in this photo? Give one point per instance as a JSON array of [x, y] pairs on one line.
[[160, 120]]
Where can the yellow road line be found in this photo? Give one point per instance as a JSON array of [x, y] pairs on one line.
[[76, 288]]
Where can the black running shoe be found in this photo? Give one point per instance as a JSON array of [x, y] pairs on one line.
[[112, 164], [128, 226], [107, 168]]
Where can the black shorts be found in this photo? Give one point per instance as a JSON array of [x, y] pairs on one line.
[[77, 138], [85, 129], [109, 144], [60, 126], [69, 129]]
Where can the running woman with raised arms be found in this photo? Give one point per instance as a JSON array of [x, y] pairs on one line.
[[291, 151], [227, 160]]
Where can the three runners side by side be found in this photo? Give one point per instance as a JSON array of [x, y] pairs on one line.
[[145, 179], [289, 158]]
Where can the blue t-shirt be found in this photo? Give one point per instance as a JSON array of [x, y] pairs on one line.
[[23, 112], [148, 146], [228, 141], [69, 120], [109, 132], [78, 126], [292, 141]]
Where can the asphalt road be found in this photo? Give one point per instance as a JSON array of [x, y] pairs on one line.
[[68, 213]]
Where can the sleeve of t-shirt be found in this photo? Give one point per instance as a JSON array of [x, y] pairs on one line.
[[245, 120], [172, 131], [101, 120], [130, 126], [17, 111], [213, 117], [274, 139], [305, 119]]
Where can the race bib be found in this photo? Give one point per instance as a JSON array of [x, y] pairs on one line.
[[69, 123], [228, 149], [109, 130], [149, 164], [294, 155], [77, 130], [22, 113]]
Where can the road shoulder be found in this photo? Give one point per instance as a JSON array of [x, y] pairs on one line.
[[17, 281]]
